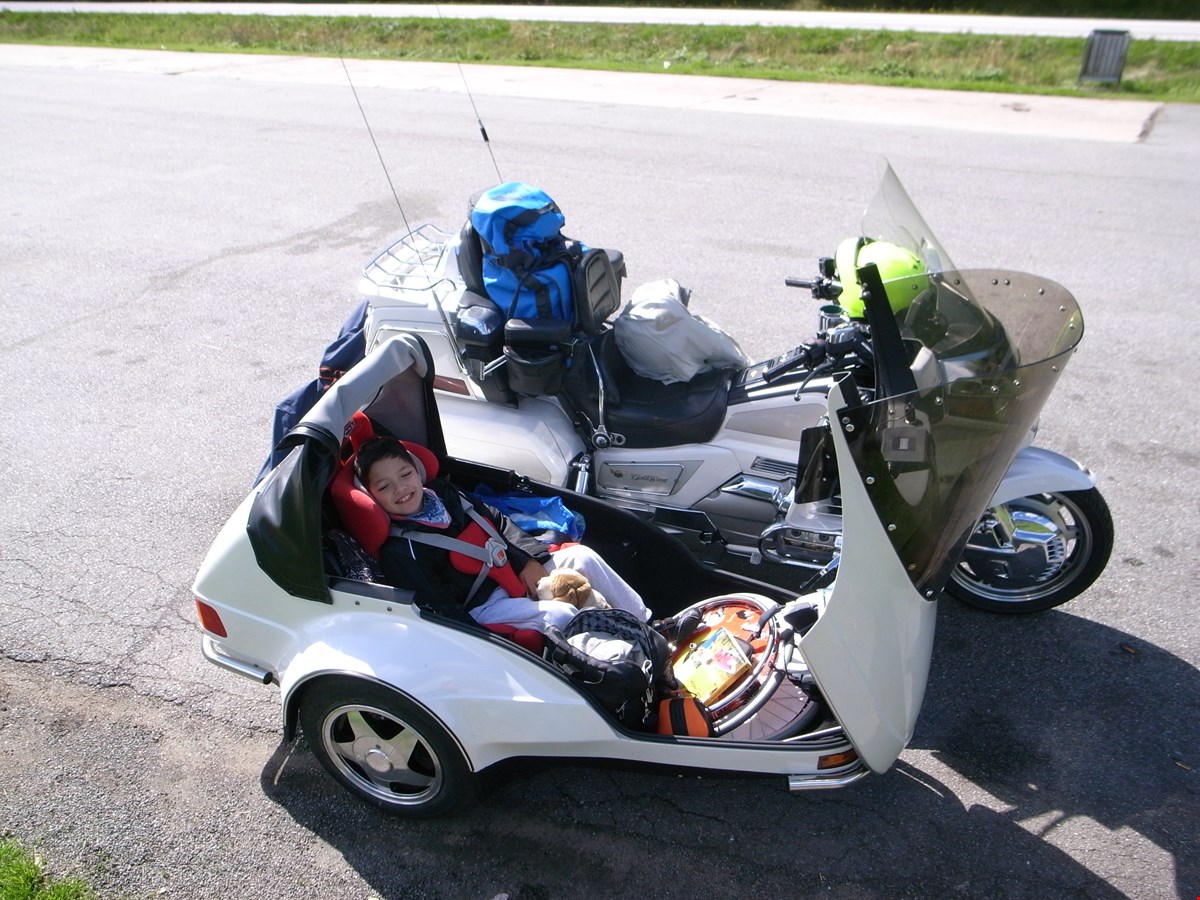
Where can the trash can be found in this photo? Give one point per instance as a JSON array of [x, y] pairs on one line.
[[1104, 56]]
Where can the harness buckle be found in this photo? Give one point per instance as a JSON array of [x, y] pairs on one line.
[[497, 554]]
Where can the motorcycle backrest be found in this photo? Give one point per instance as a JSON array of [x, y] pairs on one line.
[[470, 259], [597, 289], [596, 281]]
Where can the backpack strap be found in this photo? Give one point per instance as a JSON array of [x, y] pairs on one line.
[[541, 294], [523, 265]]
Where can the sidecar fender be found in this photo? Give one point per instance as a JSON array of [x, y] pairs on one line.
[[1036, 470], [497, 700]]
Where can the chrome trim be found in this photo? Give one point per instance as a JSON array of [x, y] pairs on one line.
[[797, 783], [247, 670], [790, 545], [756, 489], [834, 736], [640, 478]]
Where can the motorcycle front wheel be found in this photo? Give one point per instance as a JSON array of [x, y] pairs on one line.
[[1035, 553]]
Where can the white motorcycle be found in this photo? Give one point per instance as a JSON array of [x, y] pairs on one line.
[[731, 461]]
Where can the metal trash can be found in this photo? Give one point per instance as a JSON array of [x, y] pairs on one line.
[[1104, 56]]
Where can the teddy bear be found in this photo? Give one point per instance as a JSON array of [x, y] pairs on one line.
[[571, 587]]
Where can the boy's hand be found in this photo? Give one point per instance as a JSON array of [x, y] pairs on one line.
[[533, 572]]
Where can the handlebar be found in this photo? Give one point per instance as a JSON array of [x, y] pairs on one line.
[[823, 287], [807, 355]]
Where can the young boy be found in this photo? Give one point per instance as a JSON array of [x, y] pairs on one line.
[[397, 481]]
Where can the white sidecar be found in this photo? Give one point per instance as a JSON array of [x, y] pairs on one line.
[[405, 707]]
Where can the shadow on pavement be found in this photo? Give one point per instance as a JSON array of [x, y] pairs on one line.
[[1038, 729]]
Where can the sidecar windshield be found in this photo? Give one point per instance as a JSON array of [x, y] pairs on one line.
[[932, 459], [935, 308]]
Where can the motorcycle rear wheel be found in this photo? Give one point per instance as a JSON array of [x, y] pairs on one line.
[[1058, 548]]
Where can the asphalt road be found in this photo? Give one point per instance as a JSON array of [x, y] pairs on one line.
[[181, 239]]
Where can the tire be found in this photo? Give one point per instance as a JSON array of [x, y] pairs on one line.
[[386, 749], [1059, 547]]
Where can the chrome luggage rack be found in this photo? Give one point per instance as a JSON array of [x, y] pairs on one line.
[[412, 263]]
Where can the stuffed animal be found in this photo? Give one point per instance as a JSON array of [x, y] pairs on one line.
[[571, 587]]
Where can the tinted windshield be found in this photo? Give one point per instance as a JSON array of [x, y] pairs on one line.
[[991, 346], [892, 216]]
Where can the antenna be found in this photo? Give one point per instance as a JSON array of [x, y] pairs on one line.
[[375, 143], [474, 108]]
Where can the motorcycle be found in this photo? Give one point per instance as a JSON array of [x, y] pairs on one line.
[[406, 707], [730, 461]]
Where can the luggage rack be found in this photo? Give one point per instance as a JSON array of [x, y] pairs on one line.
[[409, 264]]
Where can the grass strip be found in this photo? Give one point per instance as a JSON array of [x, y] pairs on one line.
[[21, 878], [1154, 70]]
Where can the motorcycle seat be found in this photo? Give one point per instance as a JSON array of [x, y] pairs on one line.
[[652, 414]]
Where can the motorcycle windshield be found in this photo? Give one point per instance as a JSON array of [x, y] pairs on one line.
[[917, 471], [987, 348], [892, 216]]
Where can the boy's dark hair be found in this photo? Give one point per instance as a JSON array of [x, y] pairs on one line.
[[377, 448]]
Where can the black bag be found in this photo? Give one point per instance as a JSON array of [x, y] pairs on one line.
[[629, 684]]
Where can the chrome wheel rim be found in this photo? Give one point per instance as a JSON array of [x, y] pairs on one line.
[[1025, 550], [382, 754]]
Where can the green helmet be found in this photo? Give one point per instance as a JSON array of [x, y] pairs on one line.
[[904, 275]]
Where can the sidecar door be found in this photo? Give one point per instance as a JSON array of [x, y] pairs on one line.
[[870, 650]]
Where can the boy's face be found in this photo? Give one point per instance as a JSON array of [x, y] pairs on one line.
[[396, 486]]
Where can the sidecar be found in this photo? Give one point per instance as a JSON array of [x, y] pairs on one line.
[[405, 707]]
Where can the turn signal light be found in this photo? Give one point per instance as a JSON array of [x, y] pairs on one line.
[[836, 760], [209, 620]]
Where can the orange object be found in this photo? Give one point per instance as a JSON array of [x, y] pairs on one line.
[[684, 715]]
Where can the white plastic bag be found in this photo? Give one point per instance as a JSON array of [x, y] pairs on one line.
[[661, 339]]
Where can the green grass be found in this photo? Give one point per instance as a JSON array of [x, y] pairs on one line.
[[1119, 9], [1154, 70], [21, 878]]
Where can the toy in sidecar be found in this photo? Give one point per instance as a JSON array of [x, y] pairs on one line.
[[405, 707]]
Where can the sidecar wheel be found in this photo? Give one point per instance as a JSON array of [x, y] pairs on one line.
[[1059, 545], [385, 749]]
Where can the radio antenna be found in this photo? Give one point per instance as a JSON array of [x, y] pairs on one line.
[[471, 97], [375, 143]]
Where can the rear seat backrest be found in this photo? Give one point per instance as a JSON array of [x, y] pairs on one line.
[[469, 256]]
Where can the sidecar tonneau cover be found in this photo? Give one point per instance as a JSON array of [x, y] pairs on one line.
[[393, 385]]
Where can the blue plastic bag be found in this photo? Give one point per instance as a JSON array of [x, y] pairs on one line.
[[536, 514]]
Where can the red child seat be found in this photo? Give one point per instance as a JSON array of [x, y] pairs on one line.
[[361, 516], [368, 523]]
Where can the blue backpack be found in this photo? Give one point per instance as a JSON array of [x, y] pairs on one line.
[[527, 263]]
